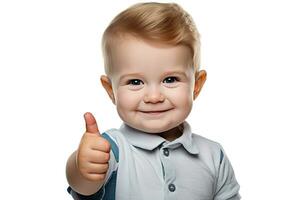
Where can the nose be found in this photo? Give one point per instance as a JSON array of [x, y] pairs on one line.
[[153, 95]]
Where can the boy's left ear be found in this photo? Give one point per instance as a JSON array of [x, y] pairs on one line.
[[106, 83], [200, 78]]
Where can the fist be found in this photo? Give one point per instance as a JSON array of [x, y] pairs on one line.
[[93, 152]]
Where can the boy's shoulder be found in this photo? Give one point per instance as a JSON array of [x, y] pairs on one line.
[[204, 142]]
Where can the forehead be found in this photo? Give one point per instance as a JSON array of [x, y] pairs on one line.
[[133, 54]]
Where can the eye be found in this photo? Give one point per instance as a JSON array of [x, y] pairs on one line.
[[170, 79], [134, 82]]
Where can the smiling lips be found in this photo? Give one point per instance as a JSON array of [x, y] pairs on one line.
[[155, 111]]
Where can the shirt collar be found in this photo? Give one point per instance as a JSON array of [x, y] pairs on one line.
[[151, 141]]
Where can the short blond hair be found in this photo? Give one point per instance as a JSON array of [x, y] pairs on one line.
[[168, 23]]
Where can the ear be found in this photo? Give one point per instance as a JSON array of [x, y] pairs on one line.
[[106, 83], [200, 78]]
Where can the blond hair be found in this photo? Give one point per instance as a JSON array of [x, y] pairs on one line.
[[159, 22]]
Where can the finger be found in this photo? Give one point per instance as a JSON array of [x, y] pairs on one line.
[[97, 168], [95, 177], [100, 144], [90, 123], [100, 158]]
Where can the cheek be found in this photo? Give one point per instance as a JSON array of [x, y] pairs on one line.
[[183, 97], [125, 100], [183, 101], [185, 105]]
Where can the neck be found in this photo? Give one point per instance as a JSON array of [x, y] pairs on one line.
[[173, 133]]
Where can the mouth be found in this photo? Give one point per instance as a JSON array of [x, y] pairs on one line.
[[155, 111]]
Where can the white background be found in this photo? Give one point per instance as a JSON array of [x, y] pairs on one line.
[[51, 62]]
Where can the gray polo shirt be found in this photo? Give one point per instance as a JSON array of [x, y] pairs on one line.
[[146, 166]]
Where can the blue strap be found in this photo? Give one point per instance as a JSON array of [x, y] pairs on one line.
[[110, 187], [113, 145]]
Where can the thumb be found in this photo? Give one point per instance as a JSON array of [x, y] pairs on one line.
[[90, 123]]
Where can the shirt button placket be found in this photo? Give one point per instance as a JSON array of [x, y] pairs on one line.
[[169, 172]]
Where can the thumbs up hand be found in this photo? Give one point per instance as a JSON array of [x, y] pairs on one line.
[[93, 152]]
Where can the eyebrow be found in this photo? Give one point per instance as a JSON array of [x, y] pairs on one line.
[[175, 72], [132, 74]]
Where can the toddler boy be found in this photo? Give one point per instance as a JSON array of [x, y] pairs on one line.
[[151, 54]]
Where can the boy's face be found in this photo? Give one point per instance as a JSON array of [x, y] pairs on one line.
[[152, 85]]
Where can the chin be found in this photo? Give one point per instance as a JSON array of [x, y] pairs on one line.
[[149, 128], [155, 128]]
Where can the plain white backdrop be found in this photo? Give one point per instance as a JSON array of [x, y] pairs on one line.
[[50, 67]]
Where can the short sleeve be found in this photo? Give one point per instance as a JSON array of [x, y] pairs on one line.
[[107, 191], [227, 187], [76, 196]]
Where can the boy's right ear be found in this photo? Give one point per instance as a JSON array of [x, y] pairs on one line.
[[106, 83]]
